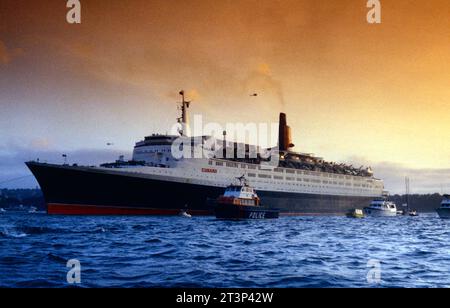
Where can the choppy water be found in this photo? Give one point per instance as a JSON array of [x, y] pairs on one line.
[[205, 252]]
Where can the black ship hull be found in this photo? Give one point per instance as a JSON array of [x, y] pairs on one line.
[[88, 191]]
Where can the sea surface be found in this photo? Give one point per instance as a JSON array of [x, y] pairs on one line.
[[205, 252]]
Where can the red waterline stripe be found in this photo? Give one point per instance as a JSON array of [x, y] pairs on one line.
[[77, 209]]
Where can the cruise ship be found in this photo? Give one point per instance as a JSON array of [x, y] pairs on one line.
[[156, 182]]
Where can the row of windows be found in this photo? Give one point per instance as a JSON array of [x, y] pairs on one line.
[[277, 177], [293, 171], [288, 171], [152, 151], [247, 202], [363, 185], [264, 176], [309, 188]]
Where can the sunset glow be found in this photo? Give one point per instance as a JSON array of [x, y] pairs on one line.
[[355, 92]]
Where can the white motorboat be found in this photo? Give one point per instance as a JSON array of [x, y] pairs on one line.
[[444, 210], [381, 207], [184, 213]]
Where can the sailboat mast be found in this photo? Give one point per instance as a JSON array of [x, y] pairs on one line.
[[407, 192]]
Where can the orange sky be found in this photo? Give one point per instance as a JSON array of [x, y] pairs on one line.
[[374, 93]]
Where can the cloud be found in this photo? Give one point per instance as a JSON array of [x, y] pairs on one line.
[[7, 55], [4, 55], [41, 143], [261, 80], [13, 168], [422, 180]]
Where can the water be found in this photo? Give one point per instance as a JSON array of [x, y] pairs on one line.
[[205, 252]]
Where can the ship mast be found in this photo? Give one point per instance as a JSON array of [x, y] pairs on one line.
[[184, 119]]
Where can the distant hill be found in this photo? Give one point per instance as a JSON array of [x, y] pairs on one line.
[[26, 197], [421, 203]]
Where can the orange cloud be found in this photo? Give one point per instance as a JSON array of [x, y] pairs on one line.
[[261, 80], [193, 95], [40, 144], [6, 55], [347, 86]]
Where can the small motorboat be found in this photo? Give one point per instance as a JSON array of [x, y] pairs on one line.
[[184, 213], [32, 210], [444, 210], [413, 213], [2, 210], [241, 202], [355, 213], [381, 207]]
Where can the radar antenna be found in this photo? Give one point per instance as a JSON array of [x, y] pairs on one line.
[[242, 180]]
